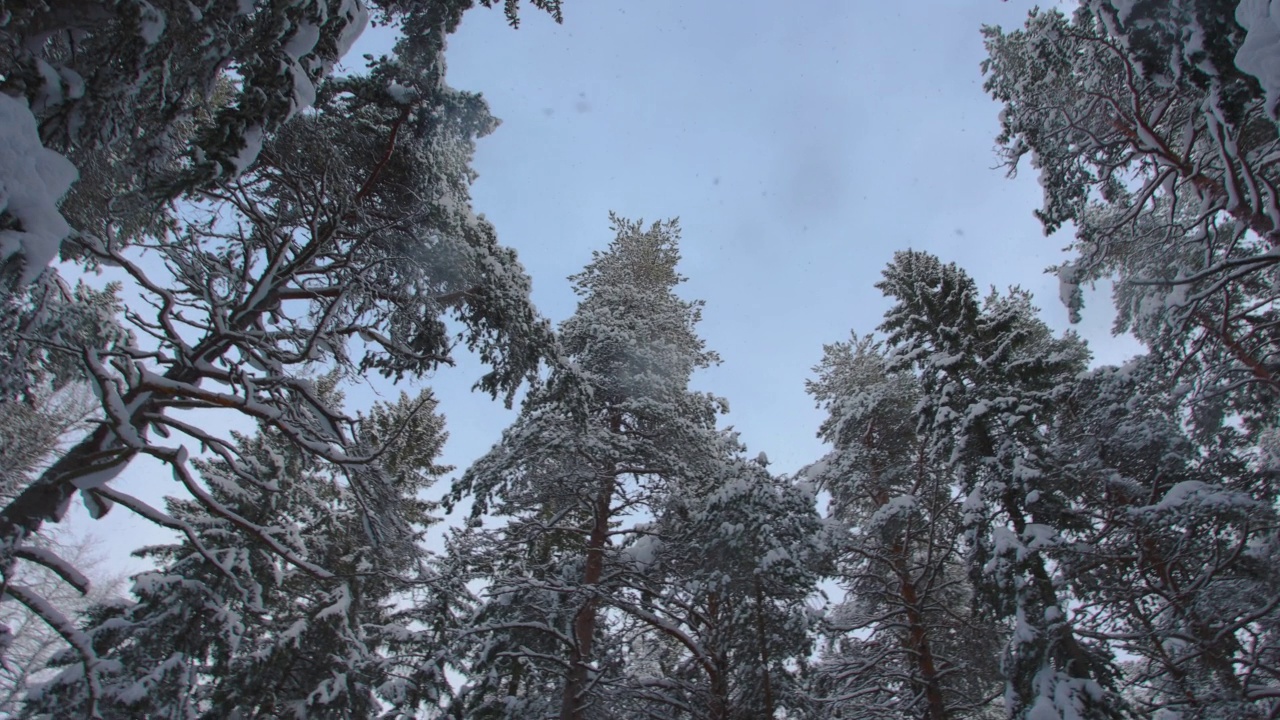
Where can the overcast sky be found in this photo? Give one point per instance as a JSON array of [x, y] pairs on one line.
[[800, 144]]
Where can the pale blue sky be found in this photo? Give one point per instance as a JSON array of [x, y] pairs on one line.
[[800, 144]]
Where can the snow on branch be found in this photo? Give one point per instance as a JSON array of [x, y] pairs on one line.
[[33, 180]]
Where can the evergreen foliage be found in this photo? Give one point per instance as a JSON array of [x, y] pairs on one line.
[[274, 260], [908, 640], [1010, 533], [303, 623], [623, 574]]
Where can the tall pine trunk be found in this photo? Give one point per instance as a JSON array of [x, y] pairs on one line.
[[717, 664], [584, 622], [762, 637], [918, 642], [917, 639]]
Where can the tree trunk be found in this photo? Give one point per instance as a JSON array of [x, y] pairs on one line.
[[584, 622], [763, 638], [48, 497], [717, 665], [718, 707], [918, 641]]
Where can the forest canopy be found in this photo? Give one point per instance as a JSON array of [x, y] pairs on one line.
[[998, 526]]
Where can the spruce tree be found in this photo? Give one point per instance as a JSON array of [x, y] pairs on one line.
[[719, 586], [992, 379]]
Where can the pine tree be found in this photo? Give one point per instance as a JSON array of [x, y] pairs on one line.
[[1179, 569], [1153, 138], [352, 258], [1161, 152], [224, 627], [150, 100], [907, 641], [601, 443], [1152, 135], [719, 584]]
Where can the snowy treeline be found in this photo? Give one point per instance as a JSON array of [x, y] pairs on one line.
[[1014, 534]]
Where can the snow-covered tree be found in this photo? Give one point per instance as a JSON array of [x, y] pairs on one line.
[[31, 430], [1151, 125], [1162, 153], [32, 645], [596, 449], [718, 590], [702, 612], [351, 258], [992, 379], [908, 640], [309, 621], [1125, 553], [147, 100], [514, 650], [38, 325], [1179, 569]]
